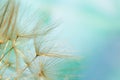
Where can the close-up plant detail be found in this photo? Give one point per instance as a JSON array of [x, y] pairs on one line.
[[26, 53]]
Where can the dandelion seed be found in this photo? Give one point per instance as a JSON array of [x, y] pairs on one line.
[[25, 53]]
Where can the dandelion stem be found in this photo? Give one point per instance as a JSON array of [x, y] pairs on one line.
[[4, 14]]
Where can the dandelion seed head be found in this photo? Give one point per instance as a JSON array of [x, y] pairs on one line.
[[26, 51]]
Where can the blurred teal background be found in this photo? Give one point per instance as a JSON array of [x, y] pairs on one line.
[[92, 28]]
